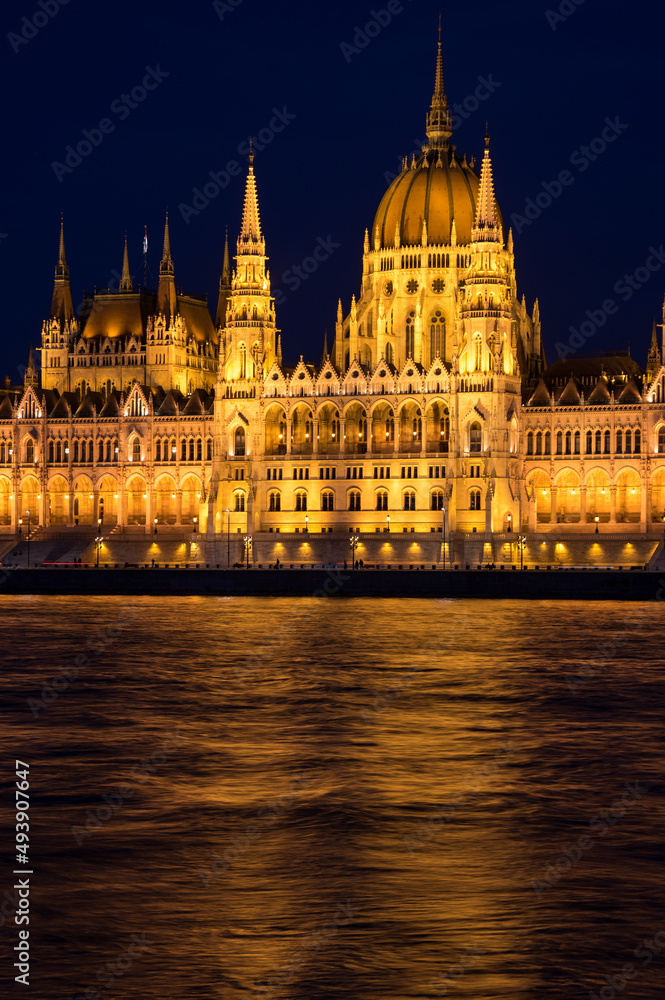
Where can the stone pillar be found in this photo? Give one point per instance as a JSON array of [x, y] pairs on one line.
[[645, 502], [532, 511], [70, 506], [315, 435], [582, 504], [288, 434], [178, 507], [553, 503], [42, 507], [120, 506], [342, 435], [95, 506], [149, 526], [613, 505], [14, 508]]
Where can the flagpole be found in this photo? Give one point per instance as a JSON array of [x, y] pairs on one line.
[[145, 258]]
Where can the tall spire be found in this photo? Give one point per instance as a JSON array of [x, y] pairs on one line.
[[126, 280], [439, 119], [224, 285], [167, 302], [487, 227], [61, 303], [251, 238]]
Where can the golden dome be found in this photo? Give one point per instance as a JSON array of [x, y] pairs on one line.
[[440, 189]]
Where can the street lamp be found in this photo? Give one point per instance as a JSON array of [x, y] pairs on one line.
[[99, 539], [510, 522], [597, 520], [195, 520], [444, 536], [155, 523], [521, 542], [248, 542], [228, 539], [388, 521], [353, 541], [306, 523]]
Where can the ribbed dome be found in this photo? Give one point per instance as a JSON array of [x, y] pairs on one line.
[[436, 194]]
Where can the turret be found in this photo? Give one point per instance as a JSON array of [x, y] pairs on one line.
[[166, 293]]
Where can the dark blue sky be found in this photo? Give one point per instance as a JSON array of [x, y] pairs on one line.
[[229, 65]]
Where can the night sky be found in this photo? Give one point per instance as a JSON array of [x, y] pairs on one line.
[[221, 71]]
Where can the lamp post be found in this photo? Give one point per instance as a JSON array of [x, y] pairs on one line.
[[194, 528], [522, 541], [306, 523], [510, 522], [155, 524], [228, 539], [597, 520], [353, 541], [98, 540], [388, 521], [248, 542], [444, 536]]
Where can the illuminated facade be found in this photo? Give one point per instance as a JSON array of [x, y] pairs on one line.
[[433, 415]]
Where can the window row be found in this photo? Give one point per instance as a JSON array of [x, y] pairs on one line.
[[354, 500], [166, 450]]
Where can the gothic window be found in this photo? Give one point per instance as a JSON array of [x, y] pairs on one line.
[[209, 450], [30, 451], [83, 452], [559, 443], [568, 440], [136, 450], [275, 502], [475, 437], [389, 354], [548, 443], [191, 450], [158, 450], [629, 438], [100, 451], [183, 450], [382, 500], [539, 443], [437, 336], [417, 429], [577, 442], [412, 285], [243, 355], [409, 500], [661, 440], [239, 441], [474, 500], [51, 452], [239, 500], [478, 345], [390, 429], [76, 452], [529, 443], [606, 443], [589, 442], [438, 284], [354, 500], [199, 449], [638, 443], [410, 335], [108, 452], [437, 499], [301, 501], [327, 500], [619, 442]]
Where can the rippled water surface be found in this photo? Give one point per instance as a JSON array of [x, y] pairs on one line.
[[379, 799]]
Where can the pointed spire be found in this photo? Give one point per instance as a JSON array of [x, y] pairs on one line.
[[325, 344], [251, 238], [340, 314], [224, 285], [653, 360], [226, 267], [166, 265], [126, 280], [30, 375], [424, 236], [366, 243], [279, 349], [61, 304], [511, 248], [453, 234], [486, 227], [439, 119], [166, 293]]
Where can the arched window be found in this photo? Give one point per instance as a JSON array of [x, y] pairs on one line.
[[30, 450], [559, 442], [83, 452], [354, 500], [136, 450], [568, 440], [239, 499], [478, 352], [100, 451], [327, 500], [629, 439], [476, 437], [183, 450], [389, 354], [409, 500], [411, 335], [209, 450], [158, 450], [109, 457], [75, 457], [301, 501], [637, 447], [437, 499], [539, 443], [661, 440], [417, 429], [577, 442], [275, 502], [589, 442], [599, 441], [619, 442], [437, 336], [51, 452], [243, 352], [529, 443], [382, 500], [191, 450], [239, 441], [199, 449], [390, 429], [606, 443], [474, 500], [548, 443]]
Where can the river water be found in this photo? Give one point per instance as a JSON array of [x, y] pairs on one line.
[[235, 798]]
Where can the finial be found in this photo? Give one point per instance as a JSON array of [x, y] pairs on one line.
[[251, 154], [439, 119], [126, 280], [487, 135]]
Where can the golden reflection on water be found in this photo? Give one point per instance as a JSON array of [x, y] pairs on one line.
[[368, 799]]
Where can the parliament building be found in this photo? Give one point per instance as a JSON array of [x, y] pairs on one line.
[[431, 433]]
